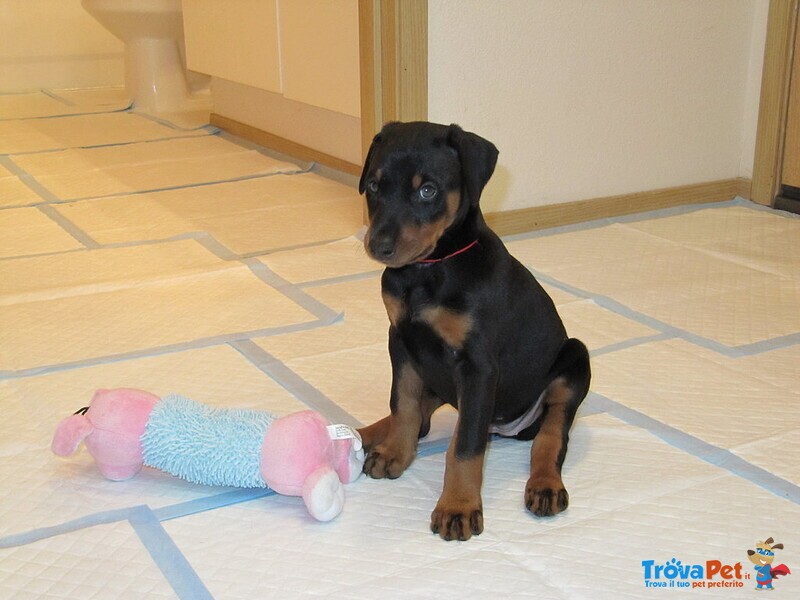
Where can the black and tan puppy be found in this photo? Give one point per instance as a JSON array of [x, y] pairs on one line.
[[470, 326]]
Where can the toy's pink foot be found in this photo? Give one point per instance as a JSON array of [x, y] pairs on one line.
[[351, 463], [119, 473], [323, 494]]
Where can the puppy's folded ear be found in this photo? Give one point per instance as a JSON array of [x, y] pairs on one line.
[[362, 183], [478, 158]]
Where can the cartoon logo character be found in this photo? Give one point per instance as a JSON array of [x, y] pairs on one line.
[[762, 558]]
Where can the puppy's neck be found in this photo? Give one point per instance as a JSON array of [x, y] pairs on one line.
[[463, 232]]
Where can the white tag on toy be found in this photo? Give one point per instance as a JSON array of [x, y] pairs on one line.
[[345, 432]]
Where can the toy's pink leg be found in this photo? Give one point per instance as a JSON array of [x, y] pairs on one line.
[[348, 462], [119, 473], [323, 494]]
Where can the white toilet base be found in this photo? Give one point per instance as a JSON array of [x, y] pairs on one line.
[[155, 77]]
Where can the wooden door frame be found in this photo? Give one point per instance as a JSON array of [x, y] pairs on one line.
[[772, 112], [393, 42]]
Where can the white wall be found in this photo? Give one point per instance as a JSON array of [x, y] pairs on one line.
[[752, 91], [55, 44], [592, 98]]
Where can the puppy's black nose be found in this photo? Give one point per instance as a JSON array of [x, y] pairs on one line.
[[382, 248]]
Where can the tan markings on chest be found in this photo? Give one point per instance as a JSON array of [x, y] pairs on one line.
[[453, 327], [395, 308]]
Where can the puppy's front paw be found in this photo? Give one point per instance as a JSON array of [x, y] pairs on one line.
[[459, 522], [545, 498], [386, 462]]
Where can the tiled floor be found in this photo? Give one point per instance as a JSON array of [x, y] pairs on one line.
[[137, 254]]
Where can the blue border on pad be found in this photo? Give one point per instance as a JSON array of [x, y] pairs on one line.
[[719, 457], [665, 329], [157, 542], [185, 581]]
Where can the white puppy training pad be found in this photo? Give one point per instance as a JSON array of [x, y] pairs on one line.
[[43, 491], [55, 103], [594, 550], [28, 231], [68, 308], [599, 327], [760, 240], [339, 259], [216, 375], [249, 217], [13, 191], [349, 362], [690, 388], [105, 561], [82, 131], [115, 170], [702, 286], [633, 497]]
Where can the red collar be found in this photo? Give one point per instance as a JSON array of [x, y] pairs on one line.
[[429, 261]]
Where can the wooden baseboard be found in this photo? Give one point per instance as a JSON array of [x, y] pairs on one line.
[[555, 215], [282, 145], [536, 217]]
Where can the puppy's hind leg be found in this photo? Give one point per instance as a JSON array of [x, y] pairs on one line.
[[545, 494]]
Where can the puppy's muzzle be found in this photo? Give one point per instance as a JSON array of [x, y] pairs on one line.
[[382, 247]]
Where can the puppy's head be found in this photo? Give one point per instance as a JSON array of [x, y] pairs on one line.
[[420, 180]]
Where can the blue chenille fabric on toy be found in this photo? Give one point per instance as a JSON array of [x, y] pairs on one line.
[[211, 446]]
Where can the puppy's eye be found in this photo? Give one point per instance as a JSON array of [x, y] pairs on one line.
[[428, 191], [372, 186]]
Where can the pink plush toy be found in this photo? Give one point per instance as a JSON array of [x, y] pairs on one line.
[[296, 455]]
